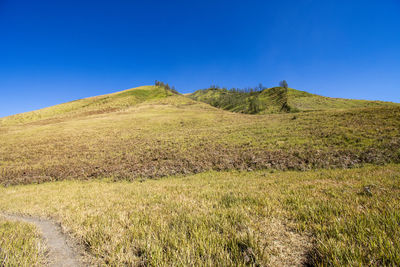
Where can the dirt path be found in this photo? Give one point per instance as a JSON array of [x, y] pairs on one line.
[[60, 252]]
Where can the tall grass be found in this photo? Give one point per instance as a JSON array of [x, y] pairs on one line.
[[321, 217], [20, 245]]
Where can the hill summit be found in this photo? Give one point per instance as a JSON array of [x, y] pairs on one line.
[[94, 105]]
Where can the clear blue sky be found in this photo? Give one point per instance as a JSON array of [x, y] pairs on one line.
[[56, 51]]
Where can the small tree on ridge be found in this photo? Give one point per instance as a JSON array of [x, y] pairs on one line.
[[284, 98]]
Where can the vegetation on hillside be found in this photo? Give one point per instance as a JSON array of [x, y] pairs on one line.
[[249, 100], [261, 100], [323, 217], [166, 87], [239, 211], [171, 135]]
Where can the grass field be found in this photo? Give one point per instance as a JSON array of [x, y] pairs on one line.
[[20, 245], [176, 135], [323, 217], [313, 187]]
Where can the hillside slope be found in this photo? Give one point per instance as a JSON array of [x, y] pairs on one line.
[[270, 101], [165, 134], [92, 105], [232, 218]]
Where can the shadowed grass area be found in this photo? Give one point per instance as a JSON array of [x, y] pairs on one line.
[[325, 217], [20, 245]]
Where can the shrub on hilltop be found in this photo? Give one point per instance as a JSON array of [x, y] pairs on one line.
[[166, 87]]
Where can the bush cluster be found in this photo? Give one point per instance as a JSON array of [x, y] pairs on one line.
[[166, 87], [247, 100]]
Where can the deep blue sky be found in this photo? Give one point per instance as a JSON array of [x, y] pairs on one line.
[[56, 51]]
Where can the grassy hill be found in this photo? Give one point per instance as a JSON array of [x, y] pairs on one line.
[[92, 105], [151, 132], [242, 190], [270, 101], [314, 218]]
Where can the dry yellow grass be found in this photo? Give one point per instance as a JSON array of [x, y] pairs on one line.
[[176, 135], [20, 245], [113, 144], [227, 218]]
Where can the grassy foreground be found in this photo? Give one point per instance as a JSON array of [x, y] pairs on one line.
[[20, 245], [323, 217]]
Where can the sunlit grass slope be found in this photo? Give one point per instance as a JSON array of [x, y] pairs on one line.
[[323, 217], [304, 101], [92, 105], [235, 206], [270, 102], [172, 134], [20, 245]]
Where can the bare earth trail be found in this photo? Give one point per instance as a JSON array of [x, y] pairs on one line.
[[60, 253]]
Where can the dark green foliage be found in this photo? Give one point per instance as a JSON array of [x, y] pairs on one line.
[[254, 105], [248, 100], [284, 96], [283, 84]]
